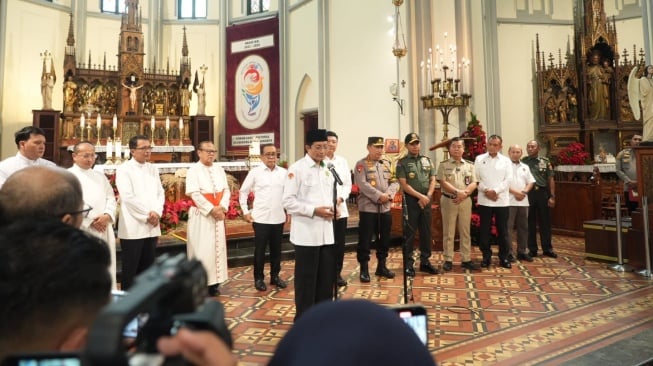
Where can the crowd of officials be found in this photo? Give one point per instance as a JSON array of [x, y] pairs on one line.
[[511, 192]]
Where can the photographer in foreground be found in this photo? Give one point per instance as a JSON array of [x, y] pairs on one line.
[[54, 280]]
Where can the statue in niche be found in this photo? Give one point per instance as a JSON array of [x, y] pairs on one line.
[[563, 108], [572, 104], [598, 77], [551, 111], [69, 94]]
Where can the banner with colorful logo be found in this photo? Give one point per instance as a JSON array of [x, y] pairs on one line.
[[253, 88]]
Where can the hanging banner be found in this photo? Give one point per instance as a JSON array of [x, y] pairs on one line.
[[253, 88]]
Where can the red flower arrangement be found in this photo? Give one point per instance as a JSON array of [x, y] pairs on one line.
[[574, 154], [235, 210], [173, 212], [475, 139]]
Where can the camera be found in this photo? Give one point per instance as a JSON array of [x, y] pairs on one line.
[[416, 318], [169, 295]]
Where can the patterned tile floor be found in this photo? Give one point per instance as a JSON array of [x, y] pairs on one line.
[[549, 311]]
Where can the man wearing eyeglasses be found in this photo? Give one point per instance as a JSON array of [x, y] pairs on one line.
[[206, 184], [30, 142], [141, 206], [267, 215], [41, 191], [99, 195]]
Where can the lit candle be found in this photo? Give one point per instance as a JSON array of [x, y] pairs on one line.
[[167, 123], [99, 122], [109, 148], [181, 125], [115, 121], [82, 122], [152, 123]]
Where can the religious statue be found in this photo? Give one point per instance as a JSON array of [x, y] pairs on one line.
[[132, 95], [201, 100], [646, 97], [69, 97], [551, 111], [599, 77], [48, 78], [185, 96], [562, 111]]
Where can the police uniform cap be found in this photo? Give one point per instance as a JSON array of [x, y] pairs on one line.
[[315, 136], [411, 137], [375, 141]]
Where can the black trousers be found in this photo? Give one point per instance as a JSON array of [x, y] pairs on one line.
[[368, 228], [539, 212], [315, 275], [136, 255], [418, 219], [501, 221], [339, 229], [265, 234]]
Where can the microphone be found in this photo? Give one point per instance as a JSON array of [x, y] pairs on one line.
[[332, 169]]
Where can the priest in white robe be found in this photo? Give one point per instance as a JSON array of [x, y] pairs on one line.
[[98, 194], [206, 184]]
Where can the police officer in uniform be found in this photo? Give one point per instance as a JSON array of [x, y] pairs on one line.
[[416, 175], [627, 172], [377, 189], [458, 181], [541, 199]]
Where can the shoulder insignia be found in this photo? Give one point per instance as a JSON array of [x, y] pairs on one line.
[[359, 167]]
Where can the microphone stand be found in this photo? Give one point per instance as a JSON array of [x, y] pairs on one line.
[[405, 246], [335, 206]]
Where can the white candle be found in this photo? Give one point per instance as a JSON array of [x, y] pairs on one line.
[[181, 124], [115, 121], [109, 148], [82, 122], [118, 148], [423, 78], [99, 122], [152, 123], [167, 123]]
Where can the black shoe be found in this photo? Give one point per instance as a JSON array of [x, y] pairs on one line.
[[532, 253], [260, 285], [511, 258], [341, 282], [410, 272], [214, 290], [278, 282], [506, 263], [524, 257], [550, 254], [470, 265], [428, 268], [383, 271], [485, 262], [447, 266], [365, 276]]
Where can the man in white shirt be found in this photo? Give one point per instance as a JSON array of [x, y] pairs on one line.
[[493, 173], [99, 195], [141, 206], [307, 197], [521, 183], [30, 142], [343, 191], [267, 215]]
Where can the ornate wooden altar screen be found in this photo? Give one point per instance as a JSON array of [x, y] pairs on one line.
[[145, 101]]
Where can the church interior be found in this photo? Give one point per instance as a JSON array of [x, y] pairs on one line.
[[242, 73]]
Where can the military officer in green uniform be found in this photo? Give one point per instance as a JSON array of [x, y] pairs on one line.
[[377, 189], [541, 199], [457, 181], [416, 175], [626, 170]]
